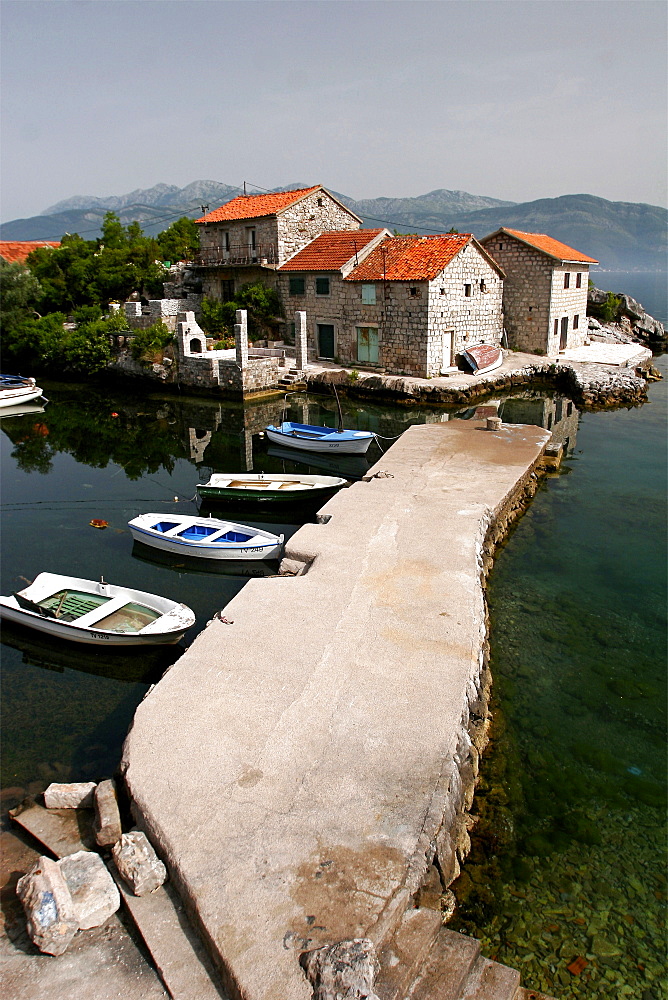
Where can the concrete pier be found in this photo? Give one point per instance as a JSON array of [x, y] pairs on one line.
[[305, 767]]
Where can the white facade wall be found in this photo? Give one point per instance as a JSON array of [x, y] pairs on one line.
[[534, 296], [302, 222]]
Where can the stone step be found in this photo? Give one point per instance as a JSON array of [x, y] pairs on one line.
[[527, 994], [448, 968], [61, 831], [490, 981], [406, 953], [178, 954]]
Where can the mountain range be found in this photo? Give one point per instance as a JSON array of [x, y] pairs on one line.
[[621, 235]]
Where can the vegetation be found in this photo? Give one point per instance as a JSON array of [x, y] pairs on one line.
[[147, 344], [78, 280], [263, 307]]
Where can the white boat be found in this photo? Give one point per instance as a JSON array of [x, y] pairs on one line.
[[483, 358], [268, 487], [205, 537], [96, 613], [312, 437], [16, 389]]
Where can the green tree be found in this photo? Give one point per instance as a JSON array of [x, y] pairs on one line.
[[180, 241], [114, 236], [19, 292]]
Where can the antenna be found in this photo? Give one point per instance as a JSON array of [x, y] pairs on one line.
[[205, 209], [244, 189]]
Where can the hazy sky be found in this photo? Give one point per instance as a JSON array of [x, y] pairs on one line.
[[515, 100]]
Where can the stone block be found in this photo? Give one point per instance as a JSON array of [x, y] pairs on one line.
[[107, 817], [138, 863], [93, 890], [51, 921], [76, 795]]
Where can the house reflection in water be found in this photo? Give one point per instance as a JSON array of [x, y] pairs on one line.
[[556, 414]]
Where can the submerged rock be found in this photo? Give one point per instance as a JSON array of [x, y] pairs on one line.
[[51, 918]]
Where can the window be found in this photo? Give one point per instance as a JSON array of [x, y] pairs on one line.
[[322, 286], [250, 234], [368, 295], [483, 286], [319, 202], [467, 291], [227, 242], [576, 322], [556, 327], [367, 344], [226, 291], [567, 279], [442, 290], [297, 286], [414, 291], [578, 280]]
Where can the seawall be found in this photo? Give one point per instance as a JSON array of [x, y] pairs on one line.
[[307, 766]]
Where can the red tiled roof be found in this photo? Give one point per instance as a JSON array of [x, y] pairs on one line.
[[330, 251], [16, 252], [553, 248], [254, 206], [409, 258]]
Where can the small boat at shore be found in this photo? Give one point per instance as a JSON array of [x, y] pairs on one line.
[[205, 537], [483, 358], [268, 488], [15, 389], [311, 437], [97, 613]]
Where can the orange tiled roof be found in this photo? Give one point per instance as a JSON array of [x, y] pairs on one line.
[[553, 248], [254, 206], [409, 258], [16, 252], [330, 251]]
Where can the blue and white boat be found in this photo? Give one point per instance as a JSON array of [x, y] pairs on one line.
[[205, 537], [15, 389], [310, 437]]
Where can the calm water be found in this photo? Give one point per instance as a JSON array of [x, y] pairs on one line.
[[110, 453], [569, 858]]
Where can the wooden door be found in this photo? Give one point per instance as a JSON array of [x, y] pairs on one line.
[[325, 340], [563, 340]]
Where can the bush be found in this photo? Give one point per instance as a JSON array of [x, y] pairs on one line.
[[146, 343]]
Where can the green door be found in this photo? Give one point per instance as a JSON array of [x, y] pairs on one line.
[[367, 344], [325, 340]]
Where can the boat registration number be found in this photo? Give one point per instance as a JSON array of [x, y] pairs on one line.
[[256, 549], [99, 635]]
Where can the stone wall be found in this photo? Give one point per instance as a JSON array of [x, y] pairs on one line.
[[315, 214], [411, 317], [534, 296]]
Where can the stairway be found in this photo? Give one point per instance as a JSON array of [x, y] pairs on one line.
[[426, 961], [293, 379]]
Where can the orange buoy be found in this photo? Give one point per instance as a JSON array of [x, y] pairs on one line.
[[95, 523]]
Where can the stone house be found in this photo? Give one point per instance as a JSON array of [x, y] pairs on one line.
[[418, 301], [312, 281], [545, 290], [246, 239]]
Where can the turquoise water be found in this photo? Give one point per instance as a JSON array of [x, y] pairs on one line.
[[568, 858]]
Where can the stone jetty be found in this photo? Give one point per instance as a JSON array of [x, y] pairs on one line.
[[305, 769]]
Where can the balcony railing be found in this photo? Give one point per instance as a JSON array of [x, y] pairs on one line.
[[263, 253]]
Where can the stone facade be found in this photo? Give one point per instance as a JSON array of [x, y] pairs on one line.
[[276, 238], [537, 306], [419, 326]]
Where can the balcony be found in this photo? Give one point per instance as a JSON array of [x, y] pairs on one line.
[[264, 254]]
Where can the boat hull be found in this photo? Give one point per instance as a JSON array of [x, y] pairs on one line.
[[329, 445], [140, 618], [269, 489], [205, 538], [13, 397], [63, 630]]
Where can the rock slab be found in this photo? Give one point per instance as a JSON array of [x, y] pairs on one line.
[[138, 863], [75, 795], [107, 817], [51, 920], [93, 890]]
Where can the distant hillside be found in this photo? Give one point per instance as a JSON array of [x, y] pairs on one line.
[[621, 235]]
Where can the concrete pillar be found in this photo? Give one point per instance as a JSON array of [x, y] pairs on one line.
[[241, 337], [301, 349]]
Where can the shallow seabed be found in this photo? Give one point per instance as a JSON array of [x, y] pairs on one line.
[[566, 879]]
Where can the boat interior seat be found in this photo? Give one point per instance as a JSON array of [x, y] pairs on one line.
[[27, 605]]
